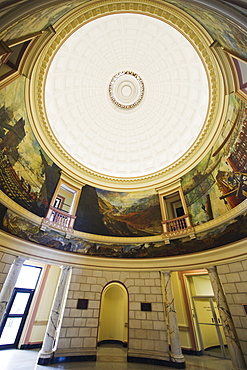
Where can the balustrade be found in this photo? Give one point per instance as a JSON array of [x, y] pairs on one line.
[[60, 218], [176, 224]]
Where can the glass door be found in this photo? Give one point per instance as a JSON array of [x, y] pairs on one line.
[[18, 307], [209, 327], [15, 317]]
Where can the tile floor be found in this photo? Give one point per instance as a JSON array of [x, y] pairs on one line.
[[108, 358]]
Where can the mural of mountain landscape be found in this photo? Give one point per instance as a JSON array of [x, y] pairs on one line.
[[119, 213]]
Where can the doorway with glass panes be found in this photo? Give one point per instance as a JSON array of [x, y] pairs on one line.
[[18, 306]]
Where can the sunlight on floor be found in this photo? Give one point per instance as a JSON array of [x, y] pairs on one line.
[[109, 357]]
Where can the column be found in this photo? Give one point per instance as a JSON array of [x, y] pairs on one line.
[[9, 284], [227, 322], [176, 351], [46, 353]]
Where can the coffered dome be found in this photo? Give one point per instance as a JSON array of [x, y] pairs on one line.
[[104, 79]]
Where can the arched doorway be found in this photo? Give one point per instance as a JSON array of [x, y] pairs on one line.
[[113, 324]]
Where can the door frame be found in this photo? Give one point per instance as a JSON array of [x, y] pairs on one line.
[[7, 314], [183, 275], [215, 322], [23, 316], [123, 288]]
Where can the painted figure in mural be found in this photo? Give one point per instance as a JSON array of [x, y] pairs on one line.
[[20, 177], [233, 186]]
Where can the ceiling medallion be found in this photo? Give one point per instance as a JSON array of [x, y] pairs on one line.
[[126, 89]]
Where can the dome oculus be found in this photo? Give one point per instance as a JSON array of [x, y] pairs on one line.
[[126, 89]]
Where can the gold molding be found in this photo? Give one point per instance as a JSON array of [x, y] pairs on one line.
[[226, 217], [27, 58], [233, 70], [5, 53], [174, 17]]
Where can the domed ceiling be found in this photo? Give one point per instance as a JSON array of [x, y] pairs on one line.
[[130, 99], [126, 95]]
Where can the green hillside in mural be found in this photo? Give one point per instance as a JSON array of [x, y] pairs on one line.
[[130, 214], [118, 213]]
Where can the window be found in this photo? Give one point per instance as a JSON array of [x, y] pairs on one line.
[[175, 217], [61, 213]]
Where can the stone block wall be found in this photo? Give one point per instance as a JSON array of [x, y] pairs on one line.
[[147, 330], [6, 261], [233, 277]]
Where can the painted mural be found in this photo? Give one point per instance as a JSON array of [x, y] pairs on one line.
[[27, 175], [10, 7], [219, 182], [118, 213], [220, 236], [39, 20], [239, 5], [228, 33]]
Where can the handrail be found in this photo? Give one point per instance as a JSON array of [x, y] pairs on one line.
[[176, 224], [60, 218]]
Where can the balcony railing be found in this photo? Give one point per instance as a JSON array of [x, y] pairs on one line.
[[177, 227], [58, 219]]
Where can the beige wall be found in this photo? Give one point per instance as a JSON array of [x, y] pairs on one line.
[[44, 306], [183, 325], [147, 330], [233, 277], [114, 313], [38, 327], [68, 199]]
